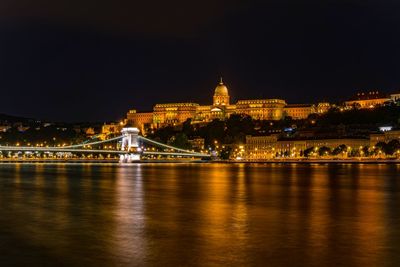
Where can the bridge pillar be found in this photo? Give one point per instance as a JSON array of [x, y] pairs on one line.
[[130, 143], [130, 138]]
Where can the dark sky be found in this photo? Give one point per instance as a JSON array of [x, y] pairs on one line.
[[78, 60]]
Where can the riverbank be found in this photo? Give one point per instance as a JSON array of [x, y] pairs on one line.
[[281, 161], [58, 160], [309, 161], [97, 161]]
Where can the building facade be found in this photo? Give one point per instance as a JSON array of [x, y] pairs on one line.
[[386, 136], [395, 97], [221, 108], [111, 128], [299, 111], [197, 143], [368, 99], [142, 120], [174, 113], [262, 109], [267, 147], [261, 147]]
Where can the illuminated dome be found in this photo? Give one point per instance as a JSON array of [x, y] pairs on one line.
[[221, 89], [216, 110]]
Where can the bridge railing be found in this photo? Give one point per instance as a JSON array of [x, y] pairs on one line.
[[80, 148]]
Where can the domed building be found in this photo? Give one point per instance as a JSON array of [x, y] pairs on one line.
[[177, 113], [220, 109], [221, 95]]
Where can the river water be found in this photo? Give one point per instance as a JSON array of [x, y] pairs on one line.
[[199, 215]]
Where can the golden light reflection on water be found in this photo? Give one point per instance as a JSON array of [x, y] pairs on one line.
[[129, 236], [240, 216], [202, 215], [224, 212]]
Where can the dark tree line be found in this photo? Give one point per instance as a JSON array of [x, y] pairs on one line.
[[378, 115], [50, 135], [232, 130], [389, 149]]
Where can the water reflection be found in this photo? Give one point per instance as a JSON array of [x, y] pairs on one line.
[[129, 238], [199, 215]]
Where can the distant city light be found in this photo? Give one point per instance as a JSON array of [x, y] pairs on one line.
[[385, 128]]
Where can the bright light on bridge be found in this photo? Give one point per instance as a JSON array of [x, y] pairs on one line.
[[130, 149]]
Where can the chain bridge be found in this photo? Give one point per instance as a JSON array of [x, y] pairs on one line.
[[130, 146]]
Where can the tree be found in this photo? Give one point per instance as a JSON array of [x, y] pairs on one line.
[[379, 115], [237, 127], [308, 151], [324, 151], [365, 151], [180, 140], [187, 127], [340, 149], [392, 147], [226, 153], [354, 152], [380, 147], [163, 134], [213, 131]]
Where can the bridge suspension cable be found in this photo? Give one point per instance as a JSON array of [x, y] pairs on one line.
[[193, 154], [81, 148], [94, 143], [166, 146]]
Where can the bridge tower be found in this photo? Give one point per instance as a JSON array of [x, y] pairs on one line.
[[130, 143]]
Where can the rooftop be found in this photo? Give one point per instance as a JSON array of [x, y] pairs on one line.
[[298, 105], [369, 95]]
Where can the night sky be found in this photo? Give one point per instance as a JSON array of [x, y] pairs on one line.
[[77, 60]]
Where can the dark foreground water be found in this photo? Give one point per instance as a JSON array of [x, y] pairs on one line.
[[200, 215]]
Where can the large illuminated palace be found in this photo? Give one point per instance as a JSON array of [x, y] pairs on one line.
[[221, 108]]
